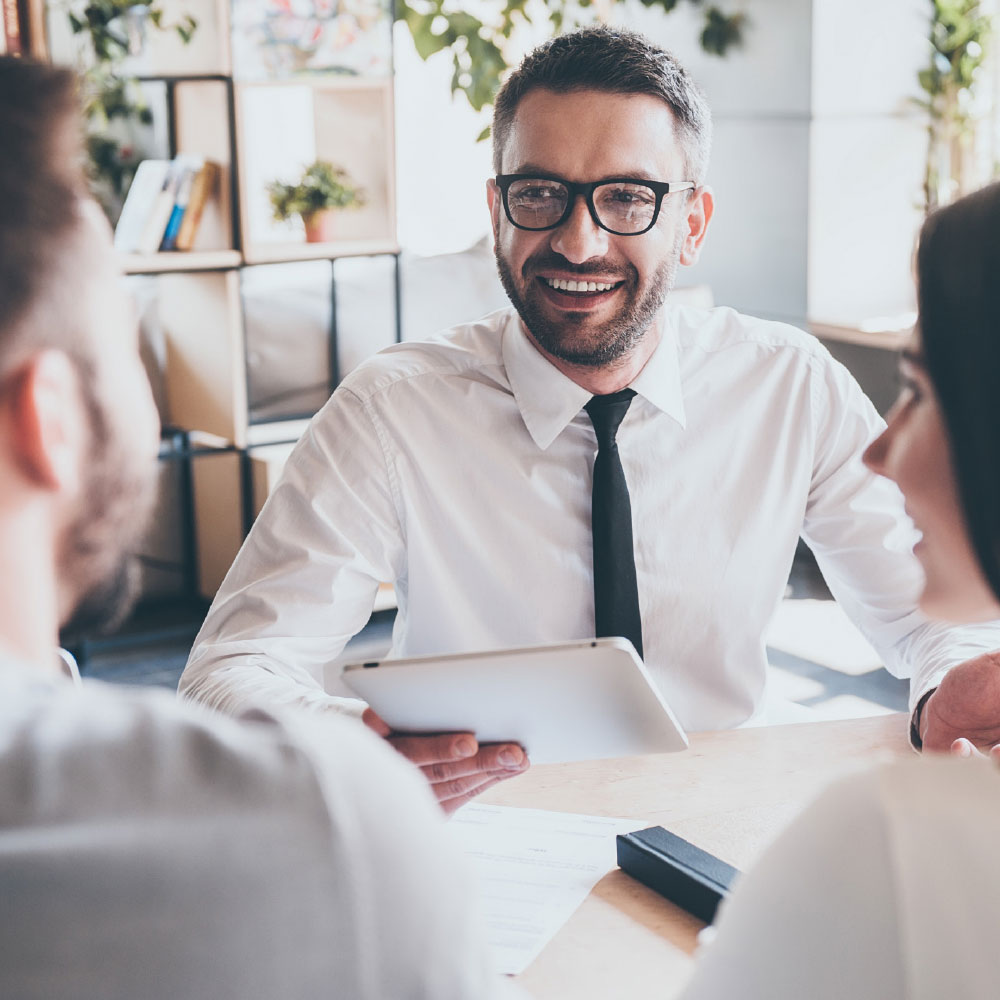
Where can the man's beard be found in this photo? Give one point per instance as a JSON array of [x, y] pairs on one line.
[[107, 603], [564, 339], [97, 563]]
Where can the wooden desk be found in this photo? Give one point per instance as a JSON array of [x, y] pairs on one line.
[[730, 793]]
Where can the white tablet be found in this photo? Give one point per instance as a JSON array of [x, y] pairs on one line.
[[580, 700]]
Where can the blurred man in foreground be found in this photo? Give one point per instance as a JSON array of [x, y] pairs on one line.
[[150, 849]]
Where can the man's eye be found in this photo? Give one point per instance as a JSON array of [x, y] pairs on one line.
[[631, 196], [537, 193]]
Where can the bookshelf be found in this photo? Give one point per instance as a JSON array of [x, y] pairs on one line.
[[261, 108], [176, 263]]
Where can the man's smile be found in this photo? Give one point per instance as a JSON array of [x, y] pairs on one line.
[[577, 293], [562, 285]]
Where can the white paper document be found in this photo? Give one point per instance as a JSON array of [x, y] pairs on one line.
[[534, 869]]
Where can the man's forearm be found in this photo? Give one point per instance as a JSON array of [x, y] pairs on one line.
[[246, 683]]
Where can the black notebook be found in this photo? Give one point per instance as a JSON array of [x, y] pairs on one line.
[[688, 876]]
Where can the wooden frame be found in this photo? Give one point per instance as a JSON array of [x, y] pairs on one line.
[[205, 373], [217, 494], [353, 126]]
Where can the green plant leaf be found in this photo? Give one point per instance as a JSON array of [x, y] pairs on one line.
[[323, 185], [721, 31], [478, 63]]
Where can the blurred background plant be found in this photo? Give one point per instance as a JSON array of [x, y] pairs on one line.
[[960, 35], [322, 186], [481, 48], [112, 31]]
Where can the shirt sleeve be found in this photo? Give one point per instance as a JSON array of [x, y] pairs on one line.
[[816, 916], [416, 927], [856, 525], [305, 580]]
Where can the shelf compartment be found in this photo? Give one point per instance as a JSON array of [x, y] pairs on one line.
[[282, 127], [205, 375]]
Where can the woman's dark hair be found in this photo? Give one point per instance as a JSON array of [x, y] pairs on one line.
[[618, 62], [958, 276]]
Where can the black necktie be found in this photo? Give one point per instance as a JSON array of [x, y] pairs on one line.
[[616, 595]]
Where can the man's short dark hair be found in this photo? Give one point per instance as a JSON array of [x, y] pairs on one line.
[[616, 61], [40, 184]]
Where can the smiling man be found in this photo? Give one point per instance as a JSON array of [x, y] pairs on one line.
[[593, 460], [589, 264]]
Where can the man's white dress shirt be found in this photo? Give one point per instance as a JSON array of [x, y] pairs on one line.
[[150, 849], [460, 470], [886, 888]]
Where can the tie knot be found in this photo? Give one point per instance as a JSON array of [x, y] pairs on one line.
[[606, 414]]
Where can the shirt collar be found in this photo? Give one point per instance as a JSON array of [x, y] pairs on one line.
[[549, 400], [67, 671]]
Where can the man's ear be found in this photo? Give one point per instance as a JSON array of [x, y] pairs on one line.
[[48, 427], [493, 200], [697, 216]]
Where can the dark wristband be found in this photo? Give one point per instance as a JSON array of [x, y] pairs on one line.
[[915, 739]]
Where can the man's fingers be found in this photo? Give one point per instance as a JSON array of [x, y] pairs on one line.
[[502, 757], [964, 748], [456, 802], [499, 757], [375, 722], [446, 747], [467, 786], [457, 767]]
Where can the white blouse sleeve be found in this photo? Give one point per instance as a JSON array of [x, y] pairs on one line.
[[815, 917]]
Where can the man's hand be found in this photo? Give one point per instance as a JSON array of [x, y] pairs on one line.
[[963, 715], [456, 766]]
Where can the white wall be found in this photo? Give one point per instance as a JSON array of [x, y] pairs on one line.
[[867, 151], [441, 170], [755, 256]]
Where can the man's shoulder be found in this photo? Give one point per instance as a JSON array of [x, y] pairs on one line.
[[109, 752], [119, 804], [722, 328], [470, 350]]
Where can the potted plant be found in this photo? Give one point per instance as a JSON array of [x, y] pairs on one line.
[[323, 189]]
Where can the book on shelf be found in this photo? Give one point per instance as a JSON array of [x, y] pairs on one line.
[[203, 189], [164, 204], [185, 179], [150, 177], [156, 219], [11, 42]]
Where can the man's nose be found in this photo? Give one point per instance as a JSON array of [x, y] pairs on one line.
[[579, 238]]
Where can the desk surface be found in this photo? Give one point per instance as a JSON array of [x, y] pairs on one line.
[[730, 793]]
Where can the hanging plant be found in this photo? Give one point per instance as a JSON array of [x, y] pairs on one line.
[[479, 46], [959, 36], [111, 31]]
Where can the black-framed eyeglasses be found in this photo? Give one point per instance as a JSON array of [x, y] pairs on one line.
[[624, 206]]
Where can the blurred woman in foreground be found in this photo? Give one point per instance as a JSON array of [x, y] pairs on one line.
[[889, 885]]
